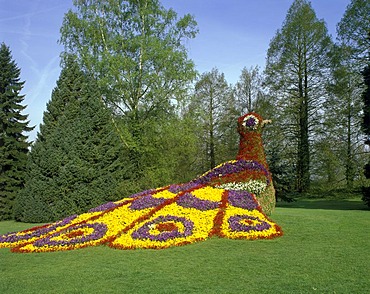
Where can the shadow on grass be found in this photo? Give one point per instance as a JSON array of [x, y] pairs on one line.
[[334, 204]]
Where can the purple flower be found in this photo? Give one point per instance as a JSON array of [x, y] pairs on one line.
[[182, 187], [232, 168], [146, 202], [13, 237], [246, 223], [103, 207], [242, 199], [99, 231], [250, 122], [144, 231], [142, 193], [190, 201]]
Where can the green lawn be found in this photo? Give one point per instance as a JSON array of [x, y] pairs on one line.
[[325, 249]]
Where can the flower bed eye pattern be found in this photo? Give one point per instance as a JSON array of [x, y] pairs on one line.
[[227, 201]]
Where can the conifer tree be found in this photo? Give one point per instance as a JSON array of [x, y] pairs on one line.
[[76, 161], [13, 125]]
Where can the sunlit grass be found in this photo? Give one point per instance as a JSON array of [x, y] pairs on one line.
[[325, 249]]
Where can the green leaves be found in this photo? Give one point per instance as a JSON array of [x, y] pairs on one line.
[[353, 30], [133, 49]]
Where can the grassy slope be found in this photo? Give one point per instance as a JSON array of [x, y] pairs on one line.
[[323, 251]]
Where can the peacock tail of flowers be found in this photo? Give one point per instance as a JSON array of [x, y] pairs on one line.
[[229, 201], [170, 216]]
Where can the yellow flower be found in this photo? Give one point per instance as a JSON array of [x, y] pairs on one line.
[[202, 224], [209, 193], [164, 194]]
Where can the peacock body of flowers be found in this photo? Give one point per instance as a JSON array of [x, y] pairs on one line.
[[225, 202]]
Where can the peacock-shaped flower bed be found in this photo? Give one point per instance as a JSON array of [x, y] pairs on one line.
[[222, 202]]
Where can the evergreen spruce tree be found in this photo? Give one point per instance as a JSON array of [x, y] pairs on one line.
[[13, 124], [76, 161]]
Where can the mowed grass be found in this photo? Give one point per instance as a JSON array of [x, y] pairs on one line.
[[325, 249]]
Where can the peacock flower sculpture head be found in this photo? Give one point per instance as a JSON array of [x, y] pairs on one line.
[[251, 123], [250, 128]]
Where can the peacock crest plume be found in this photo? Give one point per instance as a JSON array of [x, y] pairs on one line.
[[231, 200]]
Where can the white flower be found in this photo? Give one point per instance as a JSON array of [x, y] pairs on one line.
[[253, 186]]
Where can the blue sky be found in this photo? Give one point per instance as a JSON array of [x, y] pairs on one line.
[[232, 34]]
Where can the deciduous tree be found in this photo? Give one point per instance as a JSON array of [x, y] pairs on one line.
[[248, 89], [296, 70], [214, 107], [134, 50], [353, 31], [342, 131]]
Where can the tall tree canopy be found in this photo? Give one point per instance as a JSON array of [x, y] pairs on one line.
[[339, 139], [248, 90], [354, 31], [214, 107], [134, 50], [354, 35], [296, 71], [76, 161], [13, 125]]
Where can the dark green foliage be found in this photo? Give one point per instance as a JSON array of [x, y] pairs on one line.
[[366, 127], [13, 143], [167, 148], [366, 195], [281, 173], [367, 170], [366, 101], [76, 161]]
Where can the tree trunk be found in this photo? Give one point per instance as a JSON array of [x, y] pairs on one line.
[[349, 159], [211, 135], [303, 162]]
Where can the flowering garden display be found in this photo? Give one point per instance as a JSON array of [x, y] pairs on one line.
[[228, 201]]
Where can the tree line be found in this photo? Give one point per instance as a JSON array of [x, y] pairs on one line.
[[130, 112]]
